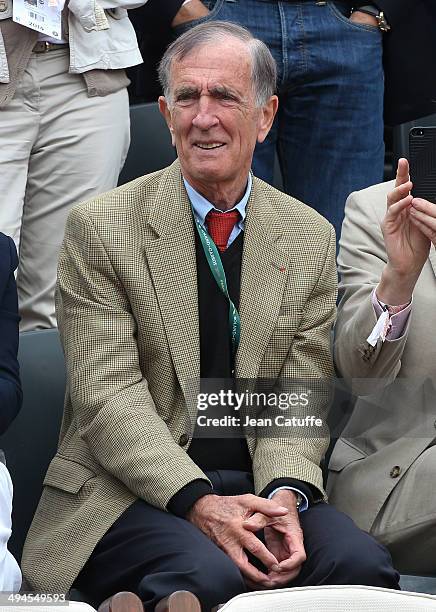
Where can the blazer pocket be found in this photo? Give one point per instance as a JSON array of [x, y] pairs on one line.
[[91, 15], [344, 453], [67, 475]]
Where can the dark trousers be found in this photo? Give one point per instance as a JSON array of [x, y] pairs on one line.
[[154, 553]]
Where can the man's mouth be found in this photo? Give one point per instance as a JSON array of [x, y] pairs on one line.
[[209, 145]]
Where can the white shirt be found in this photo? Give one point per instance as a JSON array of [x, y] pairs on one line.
[[10, 574]]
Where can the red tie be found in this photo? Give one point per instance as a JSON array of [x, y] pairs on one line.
[[220, 225]]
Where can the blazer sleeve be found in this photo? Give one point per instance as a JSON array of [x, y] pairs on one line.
[[10, 388], [361, 260], [309, 360], [114, 410]]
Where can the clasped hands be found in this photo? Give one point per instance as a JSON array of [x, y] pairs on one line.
[[409, 229], [231, 522]]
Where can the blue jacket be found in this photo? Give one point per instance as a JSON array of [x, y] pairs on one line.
[[10, 387]]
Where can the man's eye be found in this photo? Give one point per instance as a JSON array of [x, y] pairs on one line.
[[226, 97], [186, 97]]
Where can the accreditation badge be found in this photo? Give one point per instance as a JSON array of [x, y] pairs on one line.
[[44, 16]]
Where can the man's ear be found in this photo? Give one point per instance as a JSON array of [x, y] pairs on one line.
[[268, 112], [165, 112]]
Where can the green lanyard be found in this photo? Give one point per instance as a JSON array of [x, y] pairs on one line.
[[217, 269]]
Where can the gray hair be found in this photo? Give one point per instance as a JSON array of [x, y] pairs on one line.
[[263, 66]]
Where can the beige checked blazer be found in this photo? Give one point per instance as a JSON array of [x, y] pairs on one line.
[[128, 315]]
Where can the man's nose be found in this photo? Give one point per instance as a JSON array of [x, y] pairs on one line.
[[205, 117]]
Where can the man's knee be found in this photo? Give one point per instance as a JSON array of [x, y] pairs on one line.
[[361, 561], [217, 580], [341, 553], [209, 573]]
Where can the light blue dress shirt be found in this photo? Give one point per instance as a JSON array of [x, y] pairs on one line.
[[201, 207]]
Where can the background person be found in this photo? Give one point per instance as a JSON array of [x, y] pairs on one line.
[[383, 467], [153, 23], [64, 132], [10, 401], [328, 132]]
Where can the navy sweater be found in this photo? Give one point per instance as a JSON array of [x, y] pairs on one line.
[[10, 388]]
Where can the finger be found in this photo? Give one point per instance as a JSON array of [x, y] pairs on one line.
[[258, 521], [238, 556], [402, 172], [257, 548], [424, 206], [428, 221], [265, 506], [395, 209], [429, 232], [284, 579], [399, 193], [294, 561], [255, 586]]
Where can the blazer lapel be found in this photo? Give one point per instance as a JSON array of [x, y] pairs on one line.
[[263, 279], [172, 262]]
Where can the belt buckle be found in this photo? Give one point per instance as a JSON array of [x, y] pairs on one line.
[[42, 46]]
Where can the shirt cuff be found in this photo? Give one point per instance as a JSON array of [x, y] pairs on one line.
[[398, 322], [182, 501], [304, 504], [312, 493]]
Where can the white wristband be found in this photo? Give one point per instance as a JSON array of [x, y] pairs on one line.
[[186, 2], [304, 501]]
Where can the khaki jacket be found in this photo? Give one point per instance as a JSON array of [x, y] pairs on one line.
[[128, 316], [394, 418], [101, 38]]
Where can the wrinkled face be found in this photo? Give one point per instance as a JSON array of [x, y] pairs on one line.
[[212, 114]]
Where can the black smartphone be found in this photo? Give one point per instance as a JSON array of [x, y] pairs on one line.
[[422, 160]]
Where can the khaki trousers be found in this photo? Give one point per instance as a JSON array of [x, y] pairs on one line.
[[407, 522], [58, 147]]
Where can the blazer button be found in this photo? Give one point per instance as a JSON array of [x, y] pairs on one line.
[[395, 471], [183, 440], [3, 6]]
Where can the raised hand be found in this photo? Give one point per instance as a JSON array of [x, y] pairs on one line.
[[407, 247], [423, 217]]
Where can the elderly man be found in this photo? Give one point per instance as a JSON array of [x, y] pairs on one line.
[[382, 470], [146, 304]]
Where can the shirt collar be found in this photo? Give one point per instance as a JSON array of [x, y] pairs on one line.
[[201, 206]]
